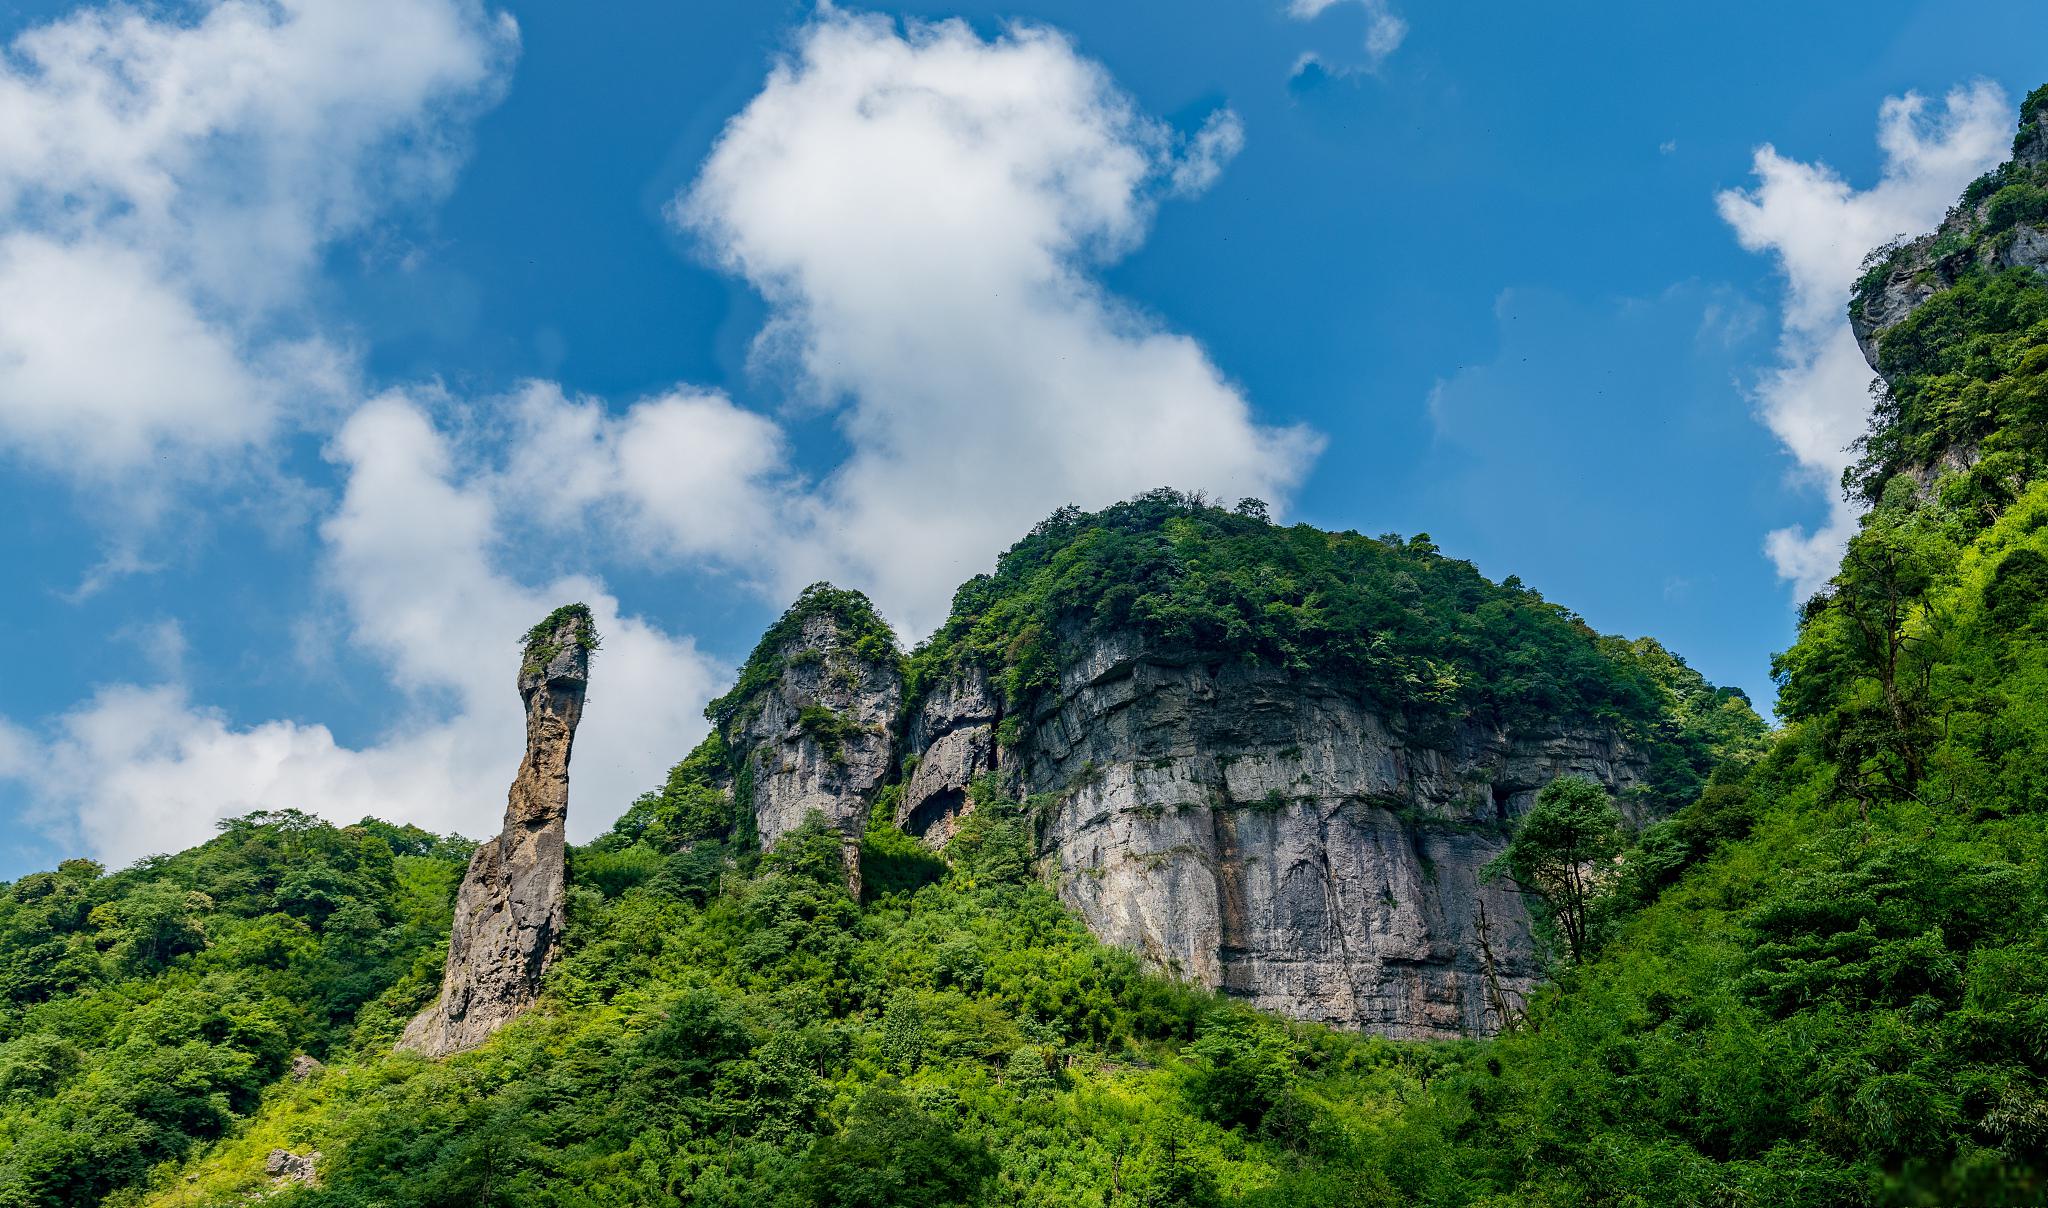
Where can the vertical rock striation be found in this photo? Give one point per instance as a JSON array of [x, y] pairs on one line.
[[1265, 832], [509, 911], [1304, 827], [818, 734]]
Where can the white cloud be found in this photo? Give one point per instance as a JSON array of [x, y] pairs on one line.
[[166, 186], [1384, 28], [103, 365], [1213, 147], [162, 644], [922, 210], [142, 768], [683, 474], [410, 553], [1819, 228]]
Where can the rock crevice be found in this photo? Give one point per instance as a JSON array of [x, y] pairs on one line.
[[1268, 833]]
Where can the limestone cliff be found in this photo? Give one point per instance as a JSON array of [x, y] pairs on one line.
[[815, 730], [1271, 760], [509, 911], [1265, 832]]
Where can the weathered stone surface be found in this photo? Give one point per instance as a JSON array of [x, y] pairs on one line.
[[2028, 248], [2031, 147], [832, 761], [1918, 275], [1909, 284], [509, 911], [284, 1166], [304, 1067], [935, 797], [1270, 834], [953, 734]]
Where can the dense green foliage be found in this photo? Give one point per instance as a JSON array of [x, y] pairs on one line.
[[861, 629], [721, 1036], [1965, 376], [1561, 855], [1968, 372], [693, 804], [1823, 981], [1427, 637], [142, 1013]]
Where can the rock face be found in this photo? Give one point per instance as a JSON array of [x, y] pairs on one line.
[[820, 737], [1265, 833], [1919, 269], [509, 911], [953, 739], [286, 1167]]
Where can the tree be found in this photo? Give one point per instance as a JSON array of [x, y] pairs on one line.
[[1240, 1074], [1560, 854], [893, 1154]]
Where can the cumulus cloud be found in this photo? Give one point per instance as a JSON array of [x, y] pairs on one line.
[[683, 474], [1384, 28], [143, 768], [165, 187], [1819, 227], [923, 210]]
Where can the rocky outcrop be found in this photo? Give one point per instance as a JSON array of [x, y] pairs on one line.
[[819, 737], [1266, 833], [509, 911], [2030, 145], [1918, 272], [1967, 239], [285, 1167], [952, 738]]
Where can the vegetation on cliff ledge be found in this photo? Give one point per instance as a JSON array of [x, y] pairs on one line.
[[538, 647], [1424, 636]]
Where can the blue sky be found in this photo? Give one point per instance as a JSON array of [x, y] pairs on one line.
[[329, 366]]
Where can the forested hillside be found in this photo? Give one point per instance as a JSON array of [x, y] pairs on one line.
[[1841, 996], [1822, 980], [729, 1027]]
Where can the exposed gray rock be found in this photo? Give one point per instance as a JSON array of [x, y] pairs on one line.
[[1269, 834], [2027, 248], [953, 736], [509, 911], [820, 737], [1910, 282], [287, 1167], [304, 1067], [1917, 274], [2031, 146]]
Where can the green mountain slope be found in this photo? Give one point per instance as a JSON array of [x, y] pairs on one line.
[[1820, 982], [1843, 999], [727, 1027]]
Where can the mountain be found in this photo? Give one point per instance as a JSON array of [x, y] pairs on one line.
[[1166, 749], [1156, 877], [1272, 761]]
